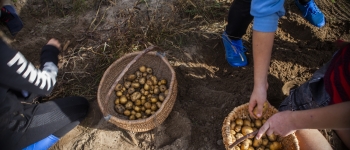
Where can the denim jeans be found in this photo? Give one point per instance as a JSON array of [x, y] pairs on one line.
[[311, 94]]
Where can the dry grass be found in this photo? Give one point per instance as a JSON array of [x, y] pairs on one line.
[[84, 64]]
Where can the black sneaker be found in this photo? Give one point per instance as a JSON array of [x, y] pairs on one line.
[[10, 18]]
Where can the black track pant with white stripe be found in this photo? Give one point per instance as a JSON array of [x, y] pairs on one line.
[[55, 117]]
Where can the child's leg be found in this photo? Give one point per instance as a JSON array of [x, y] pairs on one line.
[[56, 117], [312, 139], [239, 19]]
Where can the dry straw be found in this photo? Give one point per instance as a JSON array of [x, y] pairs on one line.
[[128, 64], [289, 143]]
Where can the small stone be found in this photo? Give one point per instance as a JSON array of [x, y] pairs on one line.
[[205, 139], [219, 142]]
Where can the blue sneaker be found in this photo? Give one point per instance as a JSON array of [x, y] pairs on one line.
[[234, 51], [312, 13], [10, 18], [43, 144]]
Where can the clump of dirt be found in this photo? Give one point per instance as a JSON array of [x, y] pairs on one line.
[[96, 33]]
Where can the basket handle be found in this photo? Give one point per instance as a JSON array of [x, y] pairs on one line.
[[148, 49]]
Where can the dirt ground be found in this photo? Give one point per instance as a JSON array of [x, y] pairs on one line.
[[95, 33]]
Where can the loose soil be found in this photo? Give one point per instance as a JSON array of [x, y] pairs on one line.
[[96, 33]]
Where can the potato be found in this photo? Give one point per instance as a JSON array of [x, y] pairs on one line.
[[132, 117], [161, 97], [143, 101], [147, 93], [162, 88], [166, 93], [143, 108], [131, 90], [149, 82], [260, 148], [127, 84], [129, 105], [135, 96], [233, 132], [258, 123], [149, 70], [119, 93], [251, 148], [137, 108], [250, 142], [138, 115], [239, 122], [119, 108], [123, 99], [156, 90], [135, 85], [144, 74], [254, 129], [133, 112], [246, 122], [275, 146], [238, 128], [117, 101], [246, 130], [127, 113], [263, 121], [272, 137], [148, 105], [138, 102], [131, 77], [142, 69], [244, 145], [154, 107], [257, 142], [142, 81], [239, 135], [265, 141], [159, 104], [265, 106], [252, 124], [232, 125], [118, 87], [154, 100], [146, 87], [148, 111], [162, 82], [138, 74]]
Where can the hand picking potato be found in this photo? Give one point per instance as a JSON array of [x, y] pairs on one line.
[[242, 126], [140, 94], [265, 106]]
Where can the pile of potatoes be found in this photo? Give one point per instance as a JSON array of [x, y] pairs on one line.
[[141, 94], [243, 126]]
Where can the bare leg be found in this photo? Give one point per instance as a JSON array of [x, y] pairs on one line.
[[344, 135], [312, 139]]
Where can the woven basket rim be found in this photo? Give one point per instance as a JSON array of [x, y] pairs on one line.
[[152, 117], [233, 113]]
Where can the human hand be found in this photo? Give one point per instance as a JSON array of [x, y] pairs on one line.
[[281, 124], [257, 99], [55, 43]]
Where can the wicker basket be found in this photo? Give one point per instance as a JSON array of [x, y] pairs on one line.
[[129, 64], [289, 143]]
